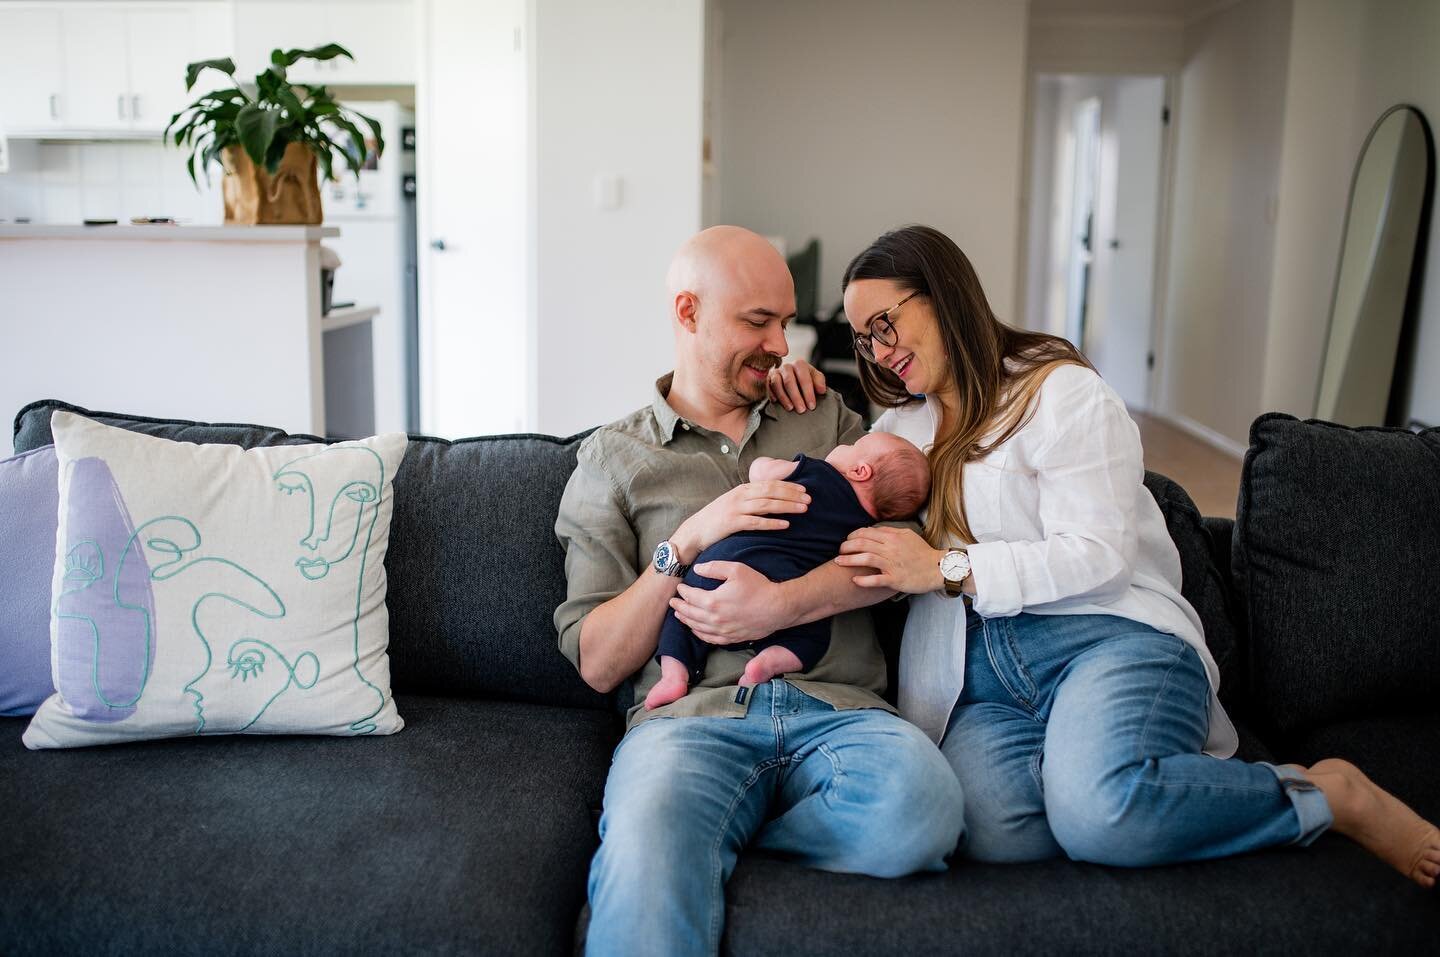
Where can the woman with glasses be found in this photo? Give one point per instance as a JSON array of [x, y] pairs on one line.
[[1048, 649]]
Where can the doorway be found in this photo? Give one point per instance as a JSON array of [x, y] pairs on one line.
[[1098, 152]]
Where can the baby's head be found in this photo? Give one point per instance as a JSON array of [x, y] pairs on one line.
[[890, 475]]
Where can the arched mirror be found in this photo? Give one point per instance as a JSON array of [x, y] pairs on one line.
[[1374, 287]]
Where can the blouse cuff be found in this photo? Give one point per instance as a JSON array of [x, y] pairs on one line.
[[997, 580]]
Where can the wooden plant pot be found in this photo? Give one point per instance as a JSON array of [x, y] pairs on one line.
[[253, 196]]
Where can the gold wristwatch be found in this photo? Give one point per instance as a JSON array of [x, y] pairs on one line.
[[954, 569]]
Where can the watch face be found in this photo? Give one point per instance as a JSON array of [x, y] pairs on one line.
[[955, 566], [664, 557]]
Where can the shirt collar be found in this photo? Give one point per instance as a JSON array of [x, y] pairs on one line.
[[667, 418]]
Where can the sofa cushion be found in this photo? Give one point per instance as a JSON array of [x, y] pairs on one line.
[[471, 832], [29, 504], [474, 568], [208, 589], [1204, 586], [1336, 557], [1331, 897]]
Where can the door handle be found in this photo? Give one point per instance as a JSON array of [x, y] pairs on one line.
[[120, 106], [438, 245], [135, 106], [54, 106]]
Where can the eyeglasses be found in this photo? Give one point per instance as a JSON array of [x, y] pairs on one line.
[[882, 330]]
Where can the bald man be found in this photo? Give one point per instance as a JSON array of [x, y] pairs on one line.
[[816, 765]]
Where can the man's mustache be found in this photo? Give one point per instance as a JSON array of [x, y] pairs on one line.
[[764, 361]]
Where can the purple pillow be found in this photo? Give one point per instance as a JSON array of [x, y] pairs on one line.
[[29, 514]]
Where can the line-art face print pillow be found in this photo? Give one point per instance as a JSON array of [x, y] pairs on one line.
[[207, 589]]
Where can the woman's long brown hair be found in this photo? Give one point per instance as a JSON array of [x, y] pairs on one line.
[[995, 400]]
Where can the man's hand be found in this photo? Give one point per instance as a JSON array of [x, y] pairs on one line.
[[745, 508], [754, 602]]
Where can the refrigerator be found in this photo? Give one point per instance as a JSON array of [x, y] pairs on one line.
[[378, 265]]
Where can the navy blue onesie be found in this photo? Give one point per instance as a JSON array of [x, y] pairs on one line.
[[813, 538]]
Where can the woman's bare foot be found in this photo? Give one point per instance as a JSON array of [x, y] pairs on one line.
[[674, 682], [769, 662], [1379, 821]]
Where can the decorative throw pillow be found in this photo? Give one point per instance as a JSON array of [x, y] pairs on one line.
[[29, 499], [208, 589]]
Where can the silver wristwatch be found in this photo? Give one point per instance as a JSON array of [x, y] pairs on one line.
[[667, 560], [955, 568]]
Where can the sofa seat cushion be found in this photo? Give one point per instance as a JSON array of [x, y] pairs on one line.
[[1332, 895], [1398, 753], [469, 832]]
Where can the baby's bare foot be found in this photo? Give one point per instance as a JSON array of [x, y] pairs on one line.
[[674, 682], [1379, 821], [769, 662]]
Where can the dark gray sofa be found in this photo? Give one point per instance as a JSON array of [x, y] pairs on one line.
[[471, 830]]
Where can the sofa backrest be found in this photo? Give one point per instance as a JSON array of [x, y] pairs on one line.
[[474, 570], [1337, 571]]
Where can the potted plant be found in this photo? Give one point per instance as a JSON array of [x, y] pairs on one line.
[[271, 138]]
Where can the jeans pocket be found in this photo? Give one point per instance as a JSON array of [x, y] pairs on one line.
[[1005, 659]]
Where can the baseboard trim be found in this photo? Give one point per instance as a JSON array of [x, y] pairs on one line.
[[1204, 433]]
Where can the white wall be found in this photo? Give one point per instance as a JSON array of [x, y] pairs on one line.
[[843, 118], [1230, 115], [618, 92], [1318, 155], [1349, 65], [1250, 313]]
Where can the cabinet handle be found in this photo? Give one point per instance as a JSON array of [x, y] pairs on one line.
[[120, 105], [54, 106], [135, 106]]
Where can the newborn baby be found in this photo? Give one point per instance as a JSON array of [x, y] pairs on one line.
[[881, 477]]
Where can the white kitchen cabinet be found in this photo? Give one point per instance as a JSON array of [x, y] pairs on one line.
[[380, 33], [96, 85], [160, 42], [86, 69], [32, 79]]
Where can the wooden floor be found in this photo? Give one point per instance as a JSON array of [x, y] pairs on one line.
[[1212, 477]]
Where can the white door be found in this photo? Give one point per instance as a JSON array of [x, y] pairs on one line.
[[476, 369], [32, 76], [160, 43], [96, 84], [1124, 263]]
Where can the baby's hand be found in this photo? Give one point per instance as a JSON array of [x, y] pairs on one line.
[[765, 469]]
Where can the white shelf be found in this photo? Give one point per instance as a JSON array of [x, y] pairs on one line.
[[349, 316]]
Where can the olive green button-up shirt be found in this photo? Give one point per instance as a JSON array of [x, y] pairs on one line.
[[637, 480]]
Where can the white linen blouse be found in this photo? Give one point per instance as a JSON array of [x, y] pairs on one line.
[[1064, 526]]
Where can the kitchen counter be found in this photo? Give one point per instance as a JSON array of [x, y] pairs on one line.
[[215, 323], [160, 232]]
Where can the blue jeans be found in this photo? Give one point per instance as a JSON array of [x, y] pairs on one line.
[[857, 791], [1081, 735]]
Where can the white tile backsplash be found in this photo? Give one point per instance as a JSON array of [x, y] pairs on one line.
[[66, 181]]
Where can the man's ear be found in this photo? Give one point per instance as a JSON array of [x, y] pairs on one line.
[[861, 472], [687, 309]]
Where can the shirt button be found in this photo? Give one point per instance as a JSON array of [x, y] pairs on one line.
[[685, 426], [725, 449]]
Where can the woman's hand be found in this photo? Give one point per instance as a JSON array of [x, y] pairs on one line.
[[745, 508], [904, 561], [745, 607], [795, 385]]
